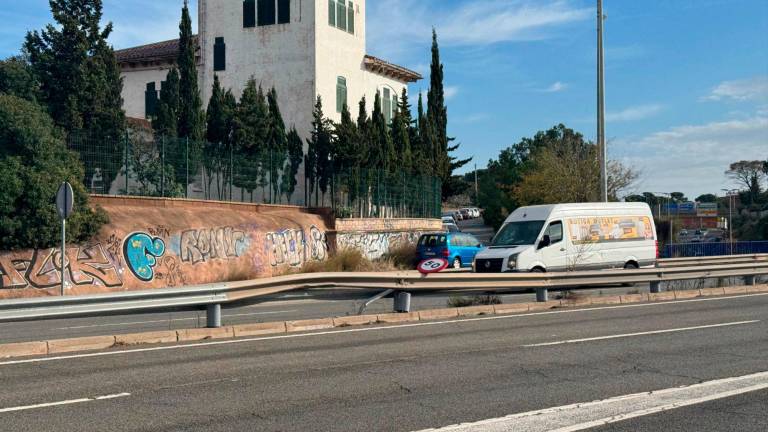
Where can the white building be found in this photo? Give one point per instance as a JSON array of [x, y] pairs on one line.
[[304, 48]]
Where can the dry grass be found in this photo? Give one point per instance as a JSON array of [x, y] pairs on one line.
[[404, 257], [477, 300]]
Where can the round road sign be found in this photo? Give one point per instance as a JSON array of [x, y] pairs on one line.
[[432, 265]]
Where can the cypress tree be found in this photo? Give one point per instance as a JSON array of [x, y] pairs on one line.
[[219, 115], [166, 121], [401, 134], [247, 131], [191, 120], [277, 142], [383, 150], [292, 164], [319, 150]]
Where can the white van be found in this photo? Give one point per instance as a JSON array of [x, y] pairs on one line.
[[566, 237]]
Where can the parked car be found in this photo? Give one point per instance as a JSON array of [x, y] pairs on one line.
[[465, 213], [458, 248], [451, 227], [458, 216], [572, 237], [449, 219]]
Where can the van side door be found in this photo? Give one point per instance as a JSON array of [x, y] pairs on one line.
[[554, 255]]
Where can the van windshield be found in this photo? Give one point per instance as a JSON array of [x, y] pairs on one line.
[[518, 234]]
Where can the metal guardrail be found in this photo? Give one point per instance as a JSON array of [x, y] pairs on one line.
[[213, 296], [711, 260]]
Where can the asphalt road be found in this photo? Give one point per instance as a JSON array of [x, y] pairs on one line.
[[422, 375]]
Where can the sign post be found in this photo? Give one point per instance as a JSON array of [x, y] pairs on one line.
[[64, 201]]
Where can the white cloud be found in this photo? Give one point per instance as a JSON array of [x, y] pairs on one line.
[[394, 24], [694, 158], [133, 20], [556, 87], [451, 92], [635, 113], [755, 88]]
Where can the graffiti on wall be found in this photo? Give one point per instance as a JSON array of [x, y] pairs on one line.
[[141, 252], [41, 268], [294, 248], [201, 245], [376, 245]]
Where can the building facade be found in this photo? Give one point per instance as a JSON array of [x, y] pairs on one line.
[[303, 48]]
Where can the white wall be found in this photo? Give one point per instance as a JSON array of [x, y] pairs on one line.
[[135, 84]]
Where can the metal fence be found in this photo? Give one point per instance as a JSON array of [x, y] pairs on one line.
[[714, 249], [140, 164]]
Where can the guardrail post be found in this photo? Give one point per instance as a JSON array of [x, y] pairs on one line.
[[655, 287], [213, 315], [750, 280], [542, 295], [402, 302]]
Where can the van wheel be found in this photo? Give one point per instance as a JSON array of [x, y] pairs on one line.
[[630, 266], [457, 263], [537, 270]]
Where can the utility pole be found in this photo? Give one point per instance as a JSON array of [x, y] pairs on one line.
[[477, 190], [601, 104]]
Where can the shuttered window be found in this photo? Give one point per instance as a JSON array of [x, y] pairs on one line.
[[341, 93], [283, 11], [219, 55], [351, 18], [332, 12], [267, 11], [150, 100], [249, 13], [341, 14]]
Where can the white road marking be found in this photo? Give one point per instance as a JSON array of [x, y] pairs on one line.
[[168, 320], [60, 403], [580, 416], [626, 335], [358, 330]]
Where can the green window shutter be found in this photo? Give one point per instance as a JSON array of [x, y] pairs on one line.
[[283, 11], [387, 105], [341, 93], [341, 14], [266, 15], [351, 18], [395, 108], [332, 12], [219, 55], [150, 100], [249, 13]]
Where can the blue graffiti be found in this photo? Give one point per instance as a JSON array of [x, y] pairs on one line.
[[141, 253]]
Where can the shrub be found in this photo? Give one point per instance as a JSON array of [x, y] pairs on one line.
[[404, 257], [34, 161]]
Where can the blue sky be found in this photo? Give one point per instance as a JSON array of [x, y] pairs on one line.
[[686, 80]]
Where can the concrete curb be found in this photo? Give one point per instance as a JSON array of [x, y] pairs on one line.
[[58, 346]]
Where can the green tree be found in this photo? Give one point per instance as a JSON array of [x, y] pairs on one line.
[[295, 157], [346, 150], [35, 161], [79, 82], [167, 120], [320, 148], [18, 79], [220, 124], [382, 148], [250, 129], [277, 144], [707, 198], [402, 125]]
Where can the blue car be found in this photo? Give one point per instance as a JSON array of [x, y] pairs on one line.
[[458, 248]]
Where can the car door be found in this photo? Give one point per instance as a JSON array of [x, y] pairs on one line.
[[554, 255]]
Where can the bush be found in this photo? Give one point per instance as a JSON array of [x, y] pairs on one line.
[[404, 257], [34, 161], [346, 260]]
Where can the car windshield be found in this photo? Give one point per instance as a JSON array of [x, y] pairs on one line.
[[518, 234]]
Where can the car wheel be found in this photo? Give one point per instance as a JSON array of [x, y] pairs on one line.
[[457, 263], [537, 270]]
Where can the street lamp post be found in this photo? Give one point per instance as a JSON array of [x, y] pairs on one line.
[[731, 194], [601, 104]]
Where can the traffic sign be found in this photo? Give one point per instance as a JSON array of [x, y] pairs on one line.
[[432, 265], [64, 200]]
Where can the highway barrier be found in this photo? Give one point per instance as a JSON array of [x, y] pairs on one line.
[[213, 296]]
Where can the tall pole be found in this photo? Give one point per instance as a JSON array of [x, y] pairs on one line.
[[477, 190], [601, 104], [63, 253], [730, 221]]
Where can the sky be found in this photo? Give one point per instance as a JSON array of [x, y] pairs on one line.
[[686, 80]]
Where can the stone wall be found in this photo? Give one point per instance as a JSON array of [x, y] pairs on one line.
[[376, 237], [160, 243]]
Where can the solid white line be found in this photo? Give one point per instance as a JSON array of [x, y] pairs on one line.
[[626, 335], [362, 329], [580, 416], [168, 320], [66, 402]]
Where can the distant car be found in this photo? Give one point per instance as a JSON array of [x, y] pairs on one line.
[[451, 227], [465, 213], [458, 248], [458, 216], [449, 217]]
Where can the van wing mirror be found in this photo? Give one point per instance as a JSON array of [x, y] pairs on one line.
[[545, 241]]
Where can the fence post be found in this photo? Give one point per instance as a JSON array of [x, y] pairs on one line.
[[162, 166], [186, 157], [126, 162]]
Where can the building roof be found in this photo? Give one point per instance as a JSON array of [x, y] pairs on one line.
[[155, 52], [377, 65]]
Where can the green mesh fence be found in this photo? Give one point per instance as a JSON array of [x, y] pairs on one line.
[[139, 164]]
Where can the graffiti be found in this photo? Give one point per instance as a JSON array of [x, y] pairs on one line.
[[159, 231], [113, 247], [170, 272], [292, 247], [375, 245], [86, 265], [216, 243], [141, 252]]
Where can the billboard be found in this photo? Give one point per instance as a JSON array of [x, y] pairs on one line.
[[609, 229], [707, 210]]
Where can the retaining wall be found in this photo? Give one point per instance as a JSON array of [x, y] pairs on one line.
[[375, 237]]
